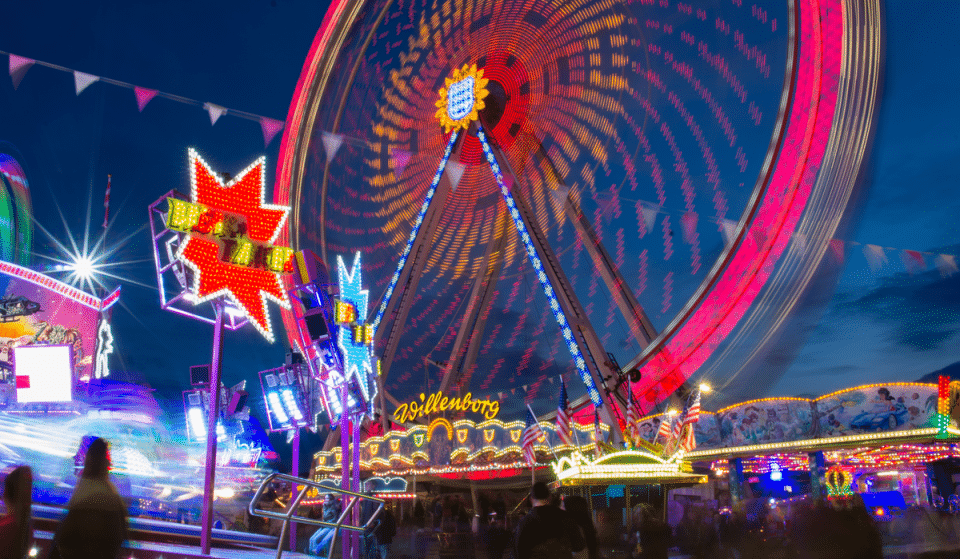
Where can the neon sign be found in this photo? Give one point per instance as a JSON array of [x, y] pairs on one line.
[[229, 235], [437, 402]]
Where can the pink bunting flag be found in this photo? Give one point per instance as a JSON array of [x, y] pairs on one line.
[[913, 261], [18, 68], [270, 127], [400, 159], [838, 250], [215, 112], [82, 80], [144, 96]]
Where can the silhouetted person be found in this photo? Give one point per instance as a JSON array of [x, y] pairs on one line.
[[842, 531], [15, 530], [96, 521], [579, 512], [324, 535], [649, 534], [498, 537], [547, 531]]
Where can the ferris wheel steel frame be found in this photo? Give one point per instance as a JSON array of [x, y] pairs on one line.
[[827, 67]]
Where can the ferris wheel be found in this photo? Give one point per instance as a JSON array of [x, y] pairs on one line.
[[538, 187]]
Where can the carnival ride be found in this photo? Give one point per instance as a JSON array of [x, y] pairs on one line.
[[652, 184]]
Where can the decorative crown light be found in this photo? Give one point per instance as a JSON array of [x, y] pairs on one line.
[[461, 98]]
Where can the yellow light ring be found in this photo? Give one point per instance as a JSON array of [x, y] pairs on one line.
[[437, 423]]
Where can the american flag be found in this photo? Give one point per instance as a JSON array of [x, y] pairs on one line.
[[597, 433], [689, 440], [530, 435], [563, 416], [693, 412], [633, 427], [665, 428]]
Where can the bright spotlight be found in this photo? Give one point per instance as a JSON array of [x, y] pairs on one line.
[[671, 412], [83, 267], [705, 388]]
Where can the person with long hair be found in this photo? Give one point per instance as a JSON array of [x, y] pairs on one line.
[[96, 521], [576, 507], [15, 530]]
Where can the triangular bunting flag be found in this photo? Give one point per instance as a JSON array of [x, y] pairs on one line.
[[728, 229], [18, 68], [876, 258], [839, 251], [400, 159], [800, 240], [455, 168], [947, 264], [144, 96], [331, 144], [508, 182], [270, 127], [913, 261], [82, 81], [215, 112], [649, 216]]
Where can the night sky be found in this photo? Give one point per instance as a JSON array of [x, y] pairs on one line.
[[880, 324]]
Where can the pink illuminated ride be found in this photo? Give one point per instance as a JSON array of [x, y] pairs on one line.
[[545, 187]]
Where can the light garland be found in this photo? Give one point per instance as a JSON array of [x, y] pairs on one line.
[[624, 465]]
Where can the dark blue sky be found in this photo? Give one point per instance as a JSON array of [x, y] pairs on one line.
[[879, 325]]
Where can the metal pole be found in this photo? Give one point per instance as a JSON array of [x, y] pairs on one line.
[[355, 467], [213, 414], [295, 471], [344, 456]]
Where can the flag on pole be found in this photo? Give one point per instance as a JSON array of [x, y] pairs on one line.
[[106, 204], [665, 429], [597, 433], [530, 435], [693, 412], [689, 440], [563, 416]]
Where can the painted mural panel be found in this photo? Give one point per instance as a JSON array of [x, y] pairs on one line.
[[889, 407], [765, 421]]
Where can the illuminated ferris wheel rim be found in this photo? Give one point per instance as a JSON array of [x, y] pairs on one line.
[[805, 123]]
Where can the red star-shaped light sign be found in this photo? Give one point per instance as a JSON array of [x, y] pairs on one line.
[[247, 287]]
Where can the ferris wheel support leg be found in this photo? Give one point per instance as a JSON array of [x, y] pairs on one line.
[[582, 342], [410, 264]]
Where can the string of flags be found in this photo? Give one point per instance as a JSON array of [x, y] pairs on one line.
[[19, 65]]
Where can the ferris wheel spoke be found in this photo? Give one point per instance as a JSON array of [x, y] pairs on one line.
[[581, 340]]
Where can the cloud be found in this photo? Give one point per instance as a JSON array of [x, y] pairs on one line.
[[923, 310]]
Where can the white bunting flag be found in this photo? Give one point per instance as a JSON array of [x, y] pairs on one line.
[[649, 216], [82, 81], [876, 258], [215, 112], [947, 264], [728, 229], [456, 169], [331, 144]]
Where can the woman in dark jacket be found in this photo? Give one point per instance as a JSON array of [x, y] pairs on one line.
[[324, 535], [579, 512], [96, 521]]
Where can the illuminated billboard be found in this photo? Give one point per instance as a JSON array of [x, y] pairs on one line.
[[36, 310], [44, 373]]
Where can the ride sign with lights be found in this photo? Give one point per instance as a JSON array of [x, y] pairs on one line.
[[229, 240]]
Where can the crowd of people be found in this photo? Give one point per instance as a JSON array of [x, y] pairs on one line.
[[94, 527]]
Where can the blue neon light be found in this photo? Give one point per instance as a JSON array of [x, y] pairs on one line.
[[413, 234], [357, 357], [541, 275]]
